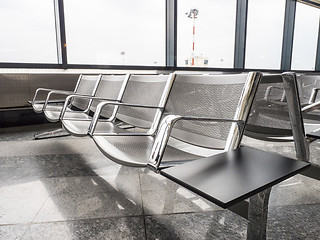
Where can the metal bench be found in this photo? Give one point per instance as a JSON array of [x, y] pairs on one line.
[[277, 116], [86, 84], [309, 87], [205, 115], [141, 91], [110, 87]]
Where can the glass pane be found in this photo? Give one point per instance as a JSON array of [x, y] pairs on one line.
[[28, 32], [305, 37], [214, 33], [115, 32], [264, 34]]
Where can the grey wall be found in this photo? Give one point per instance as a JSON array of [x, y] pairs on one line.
[[16, 89]]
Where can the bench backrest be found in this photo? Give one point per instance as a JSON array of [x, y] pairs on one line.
[[309, 92], [87, 84], [269, 115], [227, 96], [273, 117], [109, 87], [306, 84], [144, 90]]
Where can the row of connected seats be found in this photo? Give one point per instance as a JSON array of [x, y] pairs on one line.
[[54, 100], [87, 86], [141, 103], [270, 110], [309, 87], [270, 118], [177, 118]]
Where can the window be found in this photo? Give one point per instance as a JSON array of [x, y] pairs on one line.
[[305, 37], [264, 34], [214, 33], [27, 31], [115, 32]]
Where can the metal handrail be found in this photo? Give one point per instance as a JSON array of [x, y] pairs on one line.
[[165, 130]]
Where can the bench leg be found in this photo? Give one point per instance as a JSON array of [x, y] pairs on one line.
[[258, 216], [52, 134]]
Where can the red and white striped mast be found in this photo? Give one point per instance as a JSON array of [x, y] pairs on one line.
[[193, 13]]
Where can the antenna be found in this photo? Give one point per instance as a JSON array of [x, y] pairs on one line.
[[193, 13]]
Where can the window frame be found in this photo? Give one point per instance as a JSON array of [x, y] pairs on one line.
[[171, 43]]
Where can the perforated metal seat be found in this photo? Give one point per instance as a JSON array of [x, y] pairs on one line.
[[276, 113], [140, 90], [135, 151], [80, 128], [269, 116], [86, 85], [270, 110], [309, 87], [108, 87], [207, 111]]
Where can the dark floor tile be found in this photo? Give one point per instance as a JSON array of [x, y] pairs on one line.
[[214, 225], [294, 191], [314, 152], [53, 146], [170, 201], [163, 196], [294, 222], [116, 228], [26, 132], [43, 166]]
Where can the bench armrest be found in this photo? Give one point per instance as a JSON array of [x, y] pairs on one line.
[[268, 93], [310, 107], [72, 96], [314, 94], [101, 105], [61, 92], [69, 96], [164, 132]]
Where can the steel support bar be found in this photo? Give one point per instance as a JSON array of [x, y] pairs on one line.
[[240, 36], [60, 33], [171, 33], [258, 216], [288, 30], [52, 134], [317, 68], [294, 109]]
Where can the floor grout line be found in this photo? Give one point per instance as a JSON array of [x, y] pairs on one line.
[[142, 206], [32, 221]]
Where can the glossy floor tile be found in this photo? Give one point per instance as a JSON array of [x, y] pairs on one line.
[[214, 225], [294, 222], [13, 232], [64, 188], [112, 228]]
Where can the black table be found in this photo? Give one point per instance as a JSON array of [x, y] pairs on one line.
[[228, 178]]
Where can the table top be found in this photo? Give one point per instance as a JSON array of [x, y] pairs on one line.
[[228, 178]]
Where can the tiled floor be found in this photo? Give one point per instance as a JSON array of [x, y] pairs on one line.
[[64, 188]]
